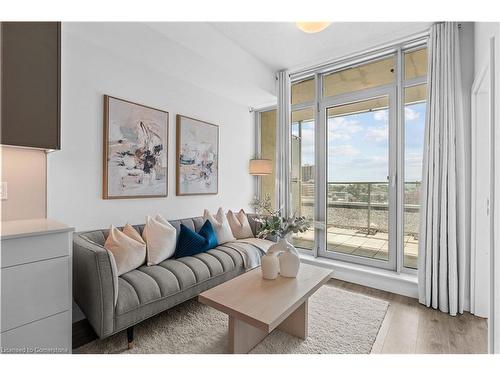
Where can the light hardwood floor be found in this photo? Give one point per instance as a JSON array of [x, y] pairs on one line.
[[410, 327]]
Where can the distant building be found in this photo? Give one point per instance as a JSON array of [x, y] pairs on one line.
[[307, 190], [308, 173]]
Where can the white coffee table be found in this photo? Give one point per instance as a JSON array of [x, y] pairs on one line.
[[257, 306]]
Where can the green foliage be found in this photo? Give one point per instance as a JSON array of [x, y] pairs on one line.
[[272, 222]]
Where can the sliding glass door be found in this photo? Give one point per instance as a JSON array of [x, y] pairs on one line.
[[360, 168]]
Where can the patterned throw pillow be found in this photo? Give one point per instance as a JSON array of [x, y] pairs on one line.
[[191, 243]]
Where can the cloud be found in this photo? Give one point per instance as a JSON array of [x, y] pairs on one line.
[[382, 115], [360, 168], [373, 161], [339, 128], [411, 114], [344, 150], [378, 133]]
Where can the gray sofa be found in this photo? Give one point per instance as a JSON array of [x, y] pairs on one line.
[[112, 304]]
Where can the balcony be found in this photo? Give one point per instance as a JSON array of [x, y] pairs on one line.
[[358, 219]]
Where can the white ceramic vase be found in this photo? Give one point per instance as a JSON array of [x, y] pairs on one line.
[[270, 266], [289, 260]]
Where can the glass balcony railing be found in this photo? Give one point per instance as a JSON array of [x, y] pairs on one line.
[[358, 218]]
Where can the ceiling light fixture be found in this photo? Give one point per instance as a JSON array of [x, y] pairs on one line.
[[312, 27]]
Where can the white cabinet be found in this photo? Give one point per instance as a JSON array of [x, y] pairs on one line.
[[36, 293]]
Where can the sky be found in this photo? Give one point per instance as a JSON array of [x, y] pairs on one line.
[[358, 145]]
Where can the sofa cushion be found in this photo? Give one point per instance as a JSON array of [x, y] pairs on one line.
[[239, 224], [172, 276], [221, 226], [127, 248], [160, 237], [191, 243]]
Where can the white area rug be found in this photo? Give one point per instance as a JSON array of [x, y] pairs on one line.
[[339, 322]]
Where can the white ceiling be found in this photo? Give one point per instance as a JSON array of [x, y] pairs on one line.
[[235, 60], [281, 45]]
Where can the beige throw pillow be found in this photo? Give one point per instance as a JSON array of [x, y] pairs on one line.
[[128, 252], [161, 238], [239, 224], [130, 231], [221, 226]]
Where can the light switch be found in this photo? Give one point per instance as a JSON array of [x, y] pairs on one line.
[[3, 191]]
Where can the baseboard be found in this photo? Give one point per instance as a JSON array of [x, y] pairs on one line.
[[403, 284]]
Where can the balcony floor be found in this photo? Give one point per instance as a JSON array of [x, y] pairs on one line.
[[349, 241]]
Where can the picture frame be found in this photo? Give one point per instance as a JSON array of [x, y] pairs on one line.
[[135, 150], [197, 157]]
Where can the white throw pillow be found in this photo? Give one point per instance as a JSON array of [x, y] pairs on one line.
[[128, 249], [160, 237], [221, 226], [239, 224]]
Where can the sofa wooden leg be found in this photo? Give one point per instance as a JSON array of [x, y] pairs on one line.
[[130, 337]]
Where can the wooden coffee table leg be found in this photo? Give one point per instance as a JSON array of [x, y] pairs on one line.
[[243, 337], [296, 324]]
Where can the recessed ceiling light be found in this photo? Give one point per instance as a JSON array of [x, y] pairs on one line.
[[312, 27]]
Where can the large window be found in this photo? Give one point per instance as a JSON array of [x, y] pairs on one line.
[[367, 146], [356, 144]]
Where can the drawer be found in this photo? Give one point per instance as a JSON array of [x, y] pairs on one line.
[[34, 291], [34, 248], [50, 335]]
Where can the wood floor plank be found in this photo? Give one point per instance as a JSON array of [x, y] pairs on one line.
[[401, 337], [410, 327], [433, 337], [378, 345]]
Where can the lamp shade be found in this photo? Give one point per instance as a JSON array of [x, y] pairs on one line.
[[261, 167]]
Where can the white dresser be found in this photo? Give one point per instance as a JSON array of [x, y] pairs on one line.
[[36, 293]]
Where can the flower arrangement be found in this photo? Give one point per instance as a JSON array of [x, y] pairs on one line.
[[273, 223]]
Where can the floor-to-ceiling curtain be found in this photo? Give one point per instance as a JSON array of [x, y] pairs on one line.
[[283, 145], [441, 269]]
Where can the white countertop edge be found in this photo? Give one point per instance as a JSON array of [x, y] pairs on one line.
[[33, 227]]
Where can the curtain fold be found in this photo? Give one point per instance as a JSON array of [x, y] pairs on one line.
[[441, 269]]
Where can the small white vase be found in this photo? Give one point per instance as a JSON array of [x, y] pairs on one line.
[[289, 261], [270, 266]]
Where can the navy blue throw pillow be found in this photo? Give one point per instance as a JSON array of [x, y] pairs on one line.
[[191, 243]]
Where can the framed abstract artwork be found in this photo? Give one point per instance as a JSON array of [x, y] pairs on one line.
[[135, 150], [197, 157]]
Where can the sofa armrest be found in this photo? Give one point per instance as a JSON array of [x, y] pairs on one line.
[[93, 284]]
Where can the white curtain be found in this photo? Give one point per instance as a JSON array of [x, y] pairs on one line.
[[441, 268], [283, 148]]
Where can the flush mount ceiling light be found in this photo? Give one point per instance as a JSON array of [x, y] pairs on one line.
[[312, 27]]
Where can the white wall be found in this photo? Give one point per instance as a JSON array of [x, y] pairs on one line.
[[90, 70], [24, 171], [483, 31]]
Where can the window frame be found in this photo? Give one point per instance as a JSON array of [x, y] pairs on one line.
[[404, 84], [361, 95]]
